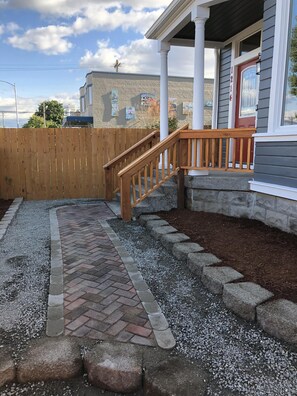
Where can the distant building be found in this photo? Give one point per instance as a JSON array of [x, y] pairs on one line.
[[132, 100]]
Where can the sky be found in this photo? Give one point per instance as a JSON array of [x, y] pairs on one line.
[[48, 46]]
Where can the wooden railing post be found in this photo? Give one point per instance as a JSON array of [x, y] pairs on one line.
[[126, 210], [180, 179], [108, 184]]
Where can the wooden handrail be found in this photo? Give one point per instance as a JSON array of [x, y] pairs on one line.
[[112, 168], [184, 150], [157, 149], [132, 149]]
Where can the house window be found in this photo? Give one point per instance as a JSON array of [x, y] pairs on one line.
[[90, 94], [82, 104], [250, 43], [289, 112]]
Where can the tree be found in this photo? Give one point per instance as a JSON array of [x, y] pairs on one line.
[[34, 122], [53, 111], [172, 124]]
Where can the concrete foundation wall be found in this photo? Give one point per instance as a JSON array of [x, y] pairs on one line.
[[230, 195]]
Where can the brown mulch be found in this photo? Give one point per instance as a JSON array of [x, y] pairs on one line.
[[4, 205], [264, 255]]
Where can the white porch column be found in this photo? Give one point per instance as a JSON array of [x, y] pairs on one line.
[[199, 16], [164, 48]]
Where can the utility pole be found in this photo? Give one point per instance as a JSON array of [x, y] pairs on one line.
[[117, 65], [44, 121]]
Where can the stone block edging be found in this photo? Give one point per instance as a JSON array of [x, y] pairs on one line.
[[9, 216], [246, 299], [112, 366]]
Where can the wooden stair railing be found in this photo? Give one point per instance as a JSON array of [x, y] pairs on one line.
[[163, 156], [184, 150], [113, 167]]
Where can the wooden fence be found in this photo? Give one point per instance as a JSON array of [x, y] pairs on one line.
[[59, 163]]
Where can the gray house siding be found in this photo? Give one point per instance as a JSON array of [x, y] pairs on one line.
[[224, 87], [276, 163], [266, 64]]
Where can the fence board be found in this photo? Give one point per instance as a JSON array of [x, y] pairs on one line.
[[59, 163]]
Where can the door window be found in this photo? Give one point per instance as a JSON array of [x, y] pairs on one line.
[[248, 93]]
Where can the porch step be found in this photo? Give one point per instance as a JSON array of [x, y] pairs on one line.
[[163, 199]]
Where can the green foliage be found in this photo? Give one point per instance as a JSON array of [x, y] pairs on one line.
[[54, 112], [172, 124], [34, 122]]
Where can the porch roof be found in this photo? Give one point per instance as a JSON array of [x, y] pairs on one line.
[[226, 20]]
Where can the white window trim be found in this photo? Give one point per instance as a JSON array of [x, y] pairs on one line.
[[274, 189], [279, 70]]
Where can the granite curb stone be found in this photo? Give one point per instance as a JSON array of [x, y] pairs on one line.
[[162, 379], [169, 240], [158, 232], [181, 250], [279, 318], [9, 216], [243, 298], [50, 359], [197, 261], [116, 368], [144, 218], [151, 224], [214, 278], [7, 369]]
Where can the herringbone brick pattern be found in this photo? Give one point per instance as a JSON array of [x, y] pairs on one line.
[[100, 301]]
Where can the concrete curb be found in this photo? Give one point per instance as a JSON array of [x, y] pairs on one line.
[[163, 334], [9, 216], [269, 315]]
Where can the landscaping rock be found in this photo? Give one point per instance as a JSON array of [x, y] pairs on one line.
[[175, 377], [50, 359], [158, 232], [7, 369], [115, 367], [144, 218], [197, 261], [279, 318], [214, 278], [243, 298], [170, 239], [181, 250], [156, 223]]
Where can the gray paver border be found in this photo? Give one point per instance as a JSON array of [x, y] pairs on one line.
[[162, 332], [55, 309], [9, 216], [144, 219]]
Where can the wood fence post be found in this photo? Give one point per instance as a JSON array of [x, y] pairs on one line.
[[126, 210], [180, 179], [108, 184]]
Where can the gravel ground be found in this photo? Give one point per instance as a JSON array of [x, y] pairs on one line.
[[241, 358]]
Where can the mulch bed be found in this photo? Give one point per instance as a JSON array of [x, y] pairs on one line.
[[264, 255], [4, 205]]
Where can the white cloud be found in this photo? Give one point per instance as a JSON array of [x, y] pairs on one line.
[[49, 40], [141, 56], [76, 7], [1, 29]]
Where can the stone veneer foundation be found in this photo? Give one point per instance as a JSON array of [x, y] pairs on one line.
[[230, 195]]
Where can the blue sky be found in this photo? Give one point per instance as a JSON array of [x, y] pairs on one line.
[[48, 46]]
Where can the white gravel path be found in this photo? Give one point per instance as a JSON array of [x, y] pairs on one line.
[[241, 358]]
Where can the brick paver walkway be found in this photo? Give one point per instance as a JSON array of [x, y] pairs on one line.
[[100, 301]]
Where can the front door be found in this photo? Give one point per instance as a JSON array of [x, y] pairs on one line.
[[246, 101]]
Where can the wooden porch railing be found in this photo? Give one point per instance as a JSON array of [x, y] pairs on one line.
[[184, 150], [112, 168]]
